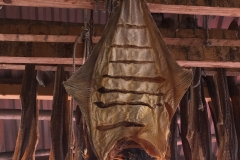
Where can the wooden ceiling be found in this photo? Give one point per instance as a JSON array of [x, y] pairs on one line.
[[200, 7], [51, 43]]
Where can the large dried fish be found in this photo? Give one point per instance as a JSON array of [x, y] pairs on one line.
[[60, 118], [234, 92], [130, 86], [184, 107], [223, 115], [28, 132], [174, 137], [199, 134], [79, 143]]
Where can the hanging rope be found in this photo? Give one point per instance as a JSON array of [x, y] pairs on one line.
[[208, 43], [86, 37]]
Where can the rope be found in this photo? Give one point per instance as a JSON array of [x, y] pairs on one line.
[[86, 37], [208, 43], [70, 145]]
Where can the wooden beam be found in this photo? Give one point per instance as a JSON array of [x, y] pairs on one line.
[[54, 32], [194, 10], [43, 38], [201, 8], [216, 57], [95, 39], [15, 114], [13, 91], [184, 63], [39, 60], [209, 64], [38, 67]]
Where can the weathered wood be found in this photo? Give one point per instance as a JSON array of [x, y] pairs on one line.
[[41, 38], [13, 91], [33, 27], [184, 8], [71, 39], [194, 10], [213, 57], [41, 67], [15, 114], [39, 60], [55, 31], [35, 31]]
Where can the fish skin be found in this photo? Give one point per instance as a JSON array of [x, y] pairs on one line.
[[129, 32], [59, 123], [222, 114], [28, 133], [199, 134]]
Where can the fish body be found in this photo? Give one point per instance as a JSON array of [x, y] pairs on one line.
[[130, 86]]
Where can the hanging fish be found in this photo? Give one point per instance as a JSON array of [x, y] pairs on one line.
[[28, 133], [130, 86]]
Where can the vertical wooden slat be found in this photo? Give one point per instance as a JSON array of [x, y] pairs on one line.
[[28, 131]]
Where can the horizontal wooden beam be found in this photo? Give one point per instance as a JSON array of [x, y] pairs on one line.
[[66, 33], [38, 67], [43, 38], [209, 64], [205, 63], [95, 39], [39, 60], [194, 10], [15, 114], [158, 6], [12, 91]]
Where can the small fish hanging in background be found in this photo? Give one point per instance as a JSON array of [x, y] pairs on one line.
[[129, 88]]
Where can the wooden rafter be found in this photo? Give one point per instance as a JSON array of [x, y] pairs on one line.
[[52, 32], [186, 45], [95, 39], [39, 60], [159, 6]]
